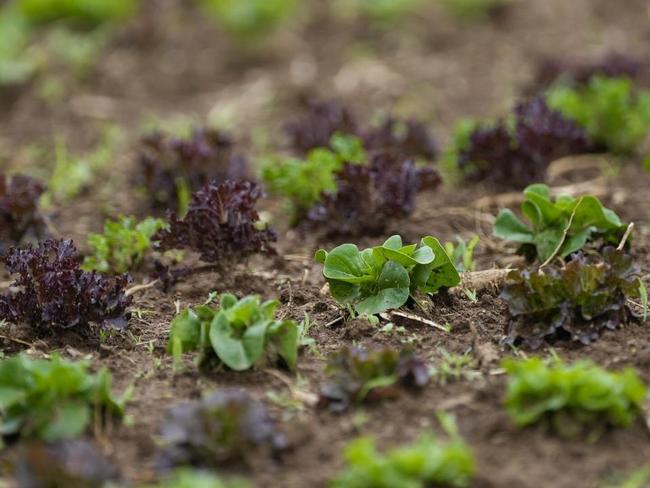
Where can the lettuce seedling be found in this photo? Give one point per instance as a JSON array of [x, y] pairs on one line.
[[15, 32], [385, 12], [429, 461], [517, 151], [52, 399], [53, 292], [251, 19], [361, 375], [122, 246], [169, 168], [557, 228], [240, 334], [74, 173], [193, 478], [19, 210], [228, 425], [380, 278], [462, 253], [221, 223], [574, 398], [303, 183], [369, 197], [577, 300], [616, 118]]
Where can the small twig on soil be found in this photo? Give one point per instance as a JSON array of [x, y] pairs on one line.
[[17, 341], [568, 164], [596, 187], [419, 319], [335, 321], [305, 397], [469, 213], [625, 237], [296, 257], [137, 288], [458, 401], [481, 280]]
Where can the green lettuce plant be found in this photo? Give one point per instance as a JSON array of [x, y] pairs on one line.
[[572, 398], [302, 183], [560, 227], [53, 399], [86, 12], [429, 461], [239, 334], [383, 277], [192, 478], [462, 253], [251, 19], [609, 109], [122, 246]]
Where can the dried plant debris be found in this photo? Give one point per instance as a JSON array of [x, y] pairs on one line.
[[51, 291], [170, 167], [226, 426], [221, 223], [64, 464], [574, 301], [19, 210], [368, 198], [360, 375], [517, 152]]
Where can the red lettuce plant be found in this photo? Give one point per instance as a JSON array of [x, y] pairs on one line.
[[323, 119], [369, 197], [168, 166], [410, 138], [19, 214], [221, 223], [316, 127], [580, 72], [575, 301], [516, 152], [54, 292], [366, 375], [225, 426]]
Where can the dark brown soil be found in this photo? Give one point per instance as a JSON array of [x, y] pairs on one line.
[[172, 62]]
